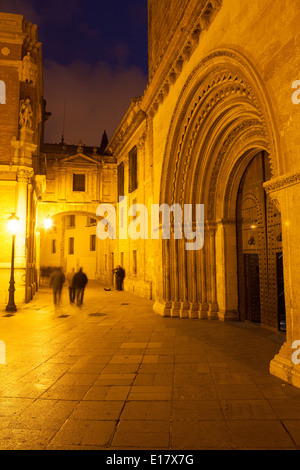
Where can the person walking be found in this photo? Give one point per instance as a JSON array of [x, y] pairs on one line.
[[57, 280], [80, 280], [70, 277]]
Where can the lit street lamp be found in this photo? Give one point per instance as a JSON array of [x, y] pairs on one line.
[[13, 225], [48, 223]]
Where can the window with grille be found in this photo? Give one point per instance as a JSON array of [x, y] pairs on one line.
[[133, 182], [78, 182]]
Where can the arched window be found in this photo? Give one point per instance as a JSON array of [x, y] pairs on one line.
[[2, 92]]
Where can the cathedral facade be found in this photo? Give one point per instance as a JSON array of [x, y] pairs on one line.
[[217, 126]]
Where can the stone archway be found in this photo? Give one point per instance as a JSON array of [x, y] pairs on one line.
[[259, 248], [222, 119], [71, 242]]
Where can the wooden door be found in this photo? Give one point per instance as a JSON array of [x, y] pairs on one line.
[[259, 248]]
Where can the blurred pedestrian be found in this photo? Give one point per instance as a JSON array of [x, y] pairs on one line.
[[120, 274], [70, 277], [80, 280], [57, 280]]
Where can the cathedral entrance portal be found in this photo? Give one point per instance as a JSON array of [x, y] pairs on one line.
[[259, 249]]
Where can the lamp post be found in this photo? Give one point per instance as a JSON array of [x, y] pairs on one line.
[[13, 225]]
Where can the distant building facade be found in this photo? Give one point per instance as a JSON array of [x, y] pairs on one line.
[[78, 179]]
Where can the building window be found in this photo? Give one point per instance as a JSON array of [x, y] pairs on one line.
[[78, 182], [121, 180], [71, 246], [53, 247], [134, 267], [92, 242], [71, 221], [122, 259], [133, 182], [91, 221]]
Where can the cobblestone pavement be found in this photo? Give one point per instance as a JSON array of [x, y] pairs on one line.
[[114, 375]]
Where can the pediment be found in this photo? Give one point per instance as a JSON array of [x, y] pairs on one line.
[[80, 159]]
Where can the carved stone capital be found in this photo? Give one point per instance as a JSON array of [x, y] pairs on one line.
[[24, 175]]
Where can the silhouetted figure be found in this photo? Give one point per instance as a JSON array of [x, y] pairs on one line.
[[79, 282], [120, 274], [57, 280], [70, 278]]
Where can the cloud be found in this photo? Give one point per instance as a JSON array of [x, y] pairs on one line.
[[95, 98], [21, 7], [91, 33]]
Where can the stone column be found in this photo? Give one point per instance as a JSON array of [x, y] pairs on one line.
[[226, 270], [23, 177], [203, 311], [176, 304], [185, 305], [194, 304], [285, 192], [213, 305]]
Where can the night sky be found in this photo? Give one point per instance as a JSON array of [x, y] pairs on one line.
[[95, 60]]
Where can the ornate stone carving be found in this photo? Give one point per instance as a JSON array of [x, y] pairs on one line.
[[26, 114], [28, 70], [24, 175], [281, 182]]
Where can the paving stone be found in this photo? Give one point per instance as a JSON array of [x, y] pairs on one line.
[[135, 380]]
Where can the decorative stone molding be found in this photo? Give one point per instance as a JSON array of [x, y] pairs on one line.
[[208, 11], [28, 70], [5, 51], [276, 184], [131, 121]]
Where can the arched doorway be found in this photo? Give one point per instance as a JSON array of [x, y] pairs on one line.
[[259, 248]]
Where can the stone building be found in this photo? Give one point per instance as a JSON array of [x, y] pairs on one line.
[[78, 179], [22, 111], [218, 125]]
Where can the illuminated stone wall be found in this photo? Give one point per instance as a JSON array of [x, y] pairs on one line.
[[220, 91], [21, 123]]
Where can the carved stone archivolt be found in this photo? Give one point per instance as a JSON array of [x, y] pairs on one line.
[[222, 115], [227, 83]]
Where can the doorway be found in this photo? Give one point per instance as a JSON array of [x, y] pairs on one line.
[[259, 249]]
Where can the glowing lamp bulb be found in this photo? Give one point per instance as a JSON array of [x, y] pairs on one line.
[[48, 223], [13, 224]]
